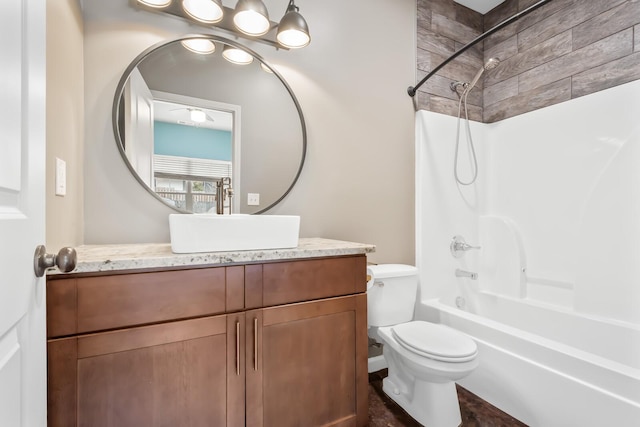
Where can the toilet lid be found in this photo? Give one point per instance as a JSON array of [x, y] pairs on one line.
[[435, 341]]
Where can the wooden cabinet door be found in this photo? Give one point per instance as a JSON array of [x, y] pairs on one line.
[[306, 364], [187, 373]]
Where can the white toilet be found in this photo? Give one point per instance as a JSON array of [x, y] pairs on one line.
[[424, 359]]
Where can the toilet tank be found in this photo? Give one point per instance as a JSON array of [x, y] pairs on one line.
[[391, 294]]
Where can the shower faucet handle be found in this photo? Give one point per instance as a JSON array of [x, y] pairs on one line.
[[458, 246]]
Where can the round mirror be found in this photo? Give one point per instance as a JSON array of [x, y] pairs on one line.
[[200, 110]]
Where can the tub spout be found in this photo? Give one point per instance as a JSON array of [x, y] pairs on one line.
[[463, 273]]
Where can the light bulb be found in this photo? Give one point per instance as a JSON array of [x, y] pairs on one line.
[[208, 11], [293, 39], [251, 17], [293, 31]]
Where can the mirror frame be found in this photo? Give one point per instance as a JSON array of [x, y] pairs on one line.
[[138, 59]]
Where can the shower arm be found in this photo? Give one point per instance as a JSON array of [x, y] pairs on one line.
[[413, 89]]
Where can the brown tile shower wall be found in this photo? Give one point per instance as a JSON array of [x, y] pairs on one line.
[[444, 27], [564, 50]]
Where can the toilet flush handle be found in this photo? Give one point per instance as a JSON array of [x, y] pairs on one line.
[[371, 282]]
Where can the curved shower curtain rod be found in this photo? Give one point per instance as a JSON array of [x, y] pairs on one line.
[[412, 89]]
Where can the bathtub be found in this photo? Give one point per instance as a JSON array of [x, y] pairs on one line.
[[545, 365], [555, 309]]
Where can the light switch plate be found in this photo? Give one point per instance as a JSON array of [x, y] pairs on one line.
[[253, 199], [61, 177]]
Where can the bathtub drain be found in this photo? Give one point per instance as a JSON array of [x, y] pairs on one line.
[[460, 302]]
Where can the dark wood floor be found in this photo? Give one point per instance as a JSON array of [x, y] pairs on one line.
[[384, 412]]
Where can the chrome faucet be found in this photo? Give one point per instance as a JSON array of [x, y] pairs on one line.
[[463, 273], [223, 190], [458, 246]]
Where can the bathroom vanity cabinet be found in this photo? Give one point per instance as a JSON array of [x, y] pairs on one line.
[[276, 343]]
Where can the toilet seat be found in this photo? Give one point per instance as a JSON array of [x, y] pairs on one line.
[[435, 341]]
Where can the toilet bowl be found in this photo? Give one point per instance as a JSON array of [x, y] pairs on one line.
[[424, 359]]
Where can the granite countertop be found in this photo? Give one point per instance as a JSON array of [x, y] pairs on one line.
[[99, 258]]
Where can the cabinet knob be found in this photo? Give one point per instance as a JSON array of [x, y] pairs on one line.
[[65, 260]]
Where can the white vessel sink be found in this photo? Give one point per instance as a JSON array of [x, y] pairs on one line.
[[238, 232]]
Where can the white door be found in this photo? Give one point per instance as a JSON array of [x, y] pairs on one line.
[[23, 392], [138, 127]]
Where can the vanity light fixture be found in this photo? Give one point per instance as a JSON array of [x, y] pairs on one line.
[[293, 31], [158, 4], [251, 17], [199, 46], [207, 11], [236, 56]]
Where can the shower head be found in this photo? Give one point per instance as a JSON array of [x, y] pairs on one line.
[[489, 65], [492, 63]]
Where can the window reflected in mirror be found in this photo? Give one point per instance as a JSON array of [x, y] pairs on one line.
[[198, 196]]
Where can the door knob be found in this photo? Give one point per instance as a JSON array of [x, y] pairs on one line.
[[65, 260]]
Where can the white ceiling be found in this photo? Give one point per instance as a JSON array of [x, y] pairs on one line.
[[482, 6]]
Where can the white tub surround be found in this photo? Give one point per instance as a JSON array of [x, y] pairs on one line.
[[556, 211], [100, 258]]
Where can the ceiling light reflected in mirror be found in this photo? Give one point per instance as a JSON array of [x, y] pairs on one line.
[[236, 56], [200, 46], [233, 54], [155, 3], [188, 115], [197, 116]]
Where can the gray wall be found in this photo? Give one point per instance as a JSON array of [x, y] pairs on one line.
[[65, 123], [563, 50], [358, 182]]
